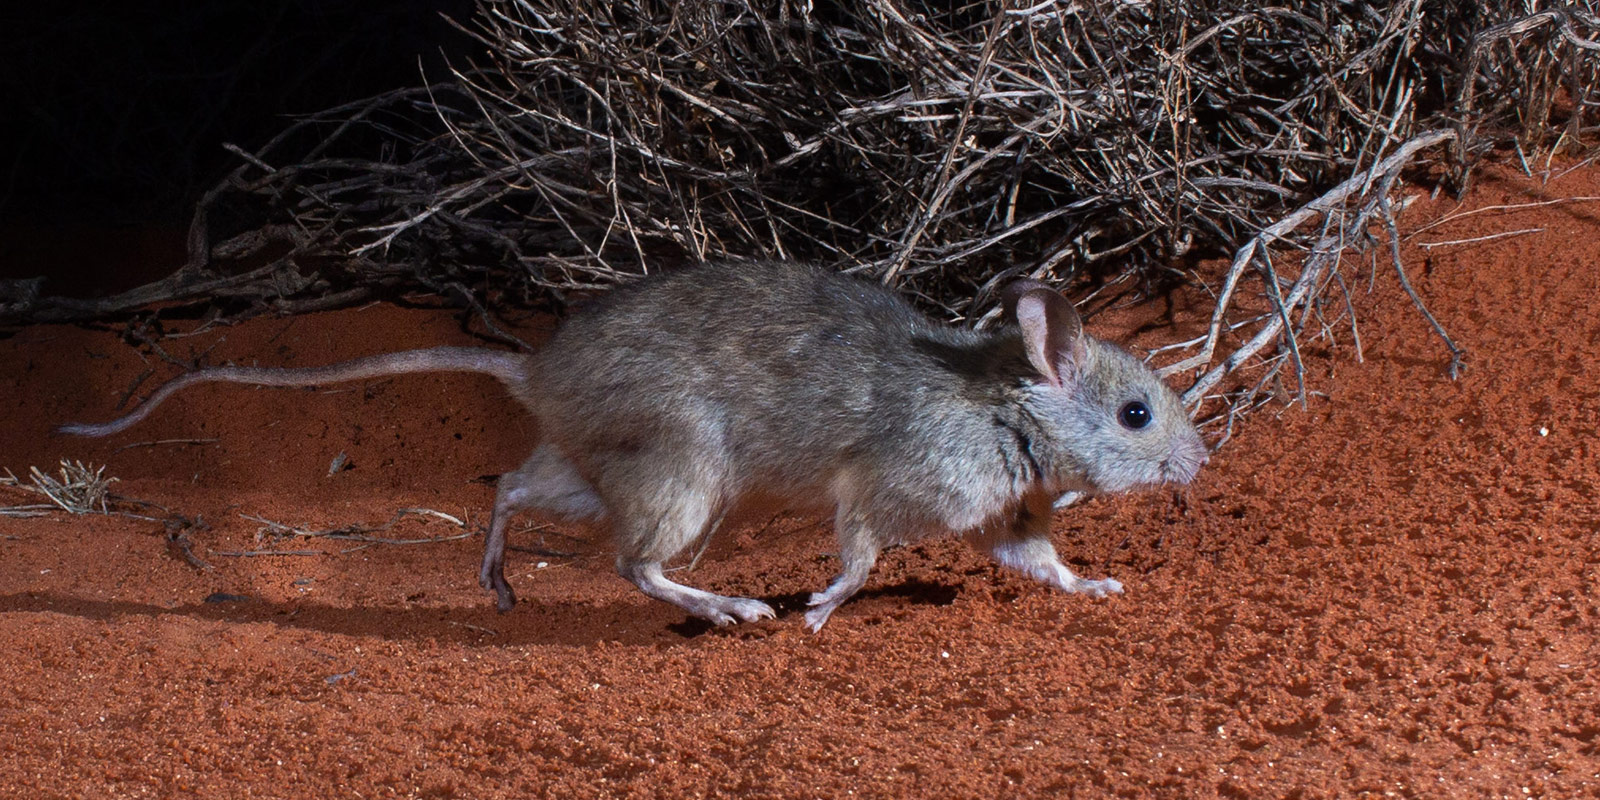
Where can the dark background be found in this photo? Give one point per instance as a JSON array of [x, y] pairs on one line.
[[113, 114]]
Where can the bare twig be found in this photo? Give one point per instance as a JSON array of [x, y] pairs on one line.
[[1449, 218], [479, 628], [159, 442], [363, 533], [1476, 239], [254, 553], [179, 543], [1457, 355]]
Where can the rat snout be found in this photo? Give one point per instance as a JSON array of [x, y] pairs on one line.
[[1185, 461]]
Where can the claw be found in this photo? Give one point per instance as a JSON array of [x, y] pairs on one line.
[[817, 617], [751, 610]]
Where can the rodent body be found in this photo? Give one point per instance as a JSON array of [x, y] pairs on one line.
[[680, 395]]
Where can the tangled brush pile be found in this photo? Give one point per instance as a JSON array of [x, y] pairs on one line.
[[946, 149]]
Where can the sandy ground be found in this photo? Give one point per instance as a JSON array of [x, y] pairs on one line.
[[1390, 593]]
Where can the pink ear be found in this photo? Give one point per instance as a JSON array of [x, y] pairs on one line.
[[1052, 331]]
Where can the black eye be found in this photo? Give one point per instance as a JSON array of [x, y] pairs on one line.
[[1134, 415]]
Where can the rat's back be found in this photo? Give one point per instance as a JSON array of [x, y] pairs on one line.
[[781, 369]]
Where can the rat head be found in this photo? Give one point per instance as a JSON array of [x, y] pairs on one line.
[[1110, 424]]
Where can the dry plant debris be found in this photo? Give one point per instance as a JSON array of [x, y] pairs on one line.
[[276, 531], [1100, 146], [79, 489]]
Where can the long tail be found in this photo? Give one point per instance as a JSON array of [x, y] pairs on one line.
[[510, 368]]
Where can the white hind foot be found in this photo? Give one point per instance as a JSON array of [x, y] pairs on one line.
[[718, 609], [744, 608], [1034, 556], [1099, 588]]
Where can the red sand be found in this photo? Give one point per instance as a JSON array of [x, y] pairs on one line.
[[1389, 594]]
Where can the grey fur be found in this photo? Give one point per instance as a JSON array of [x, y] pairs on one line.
[[686, 392]]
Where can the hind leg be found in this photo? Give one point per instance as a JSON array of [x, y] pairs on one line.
[[719, 609], [858, 549], [655, 523], [546, 483], [1025, 547]]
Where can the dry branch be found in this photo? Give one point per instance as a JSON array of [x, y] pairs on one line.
[[1368, 193]]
